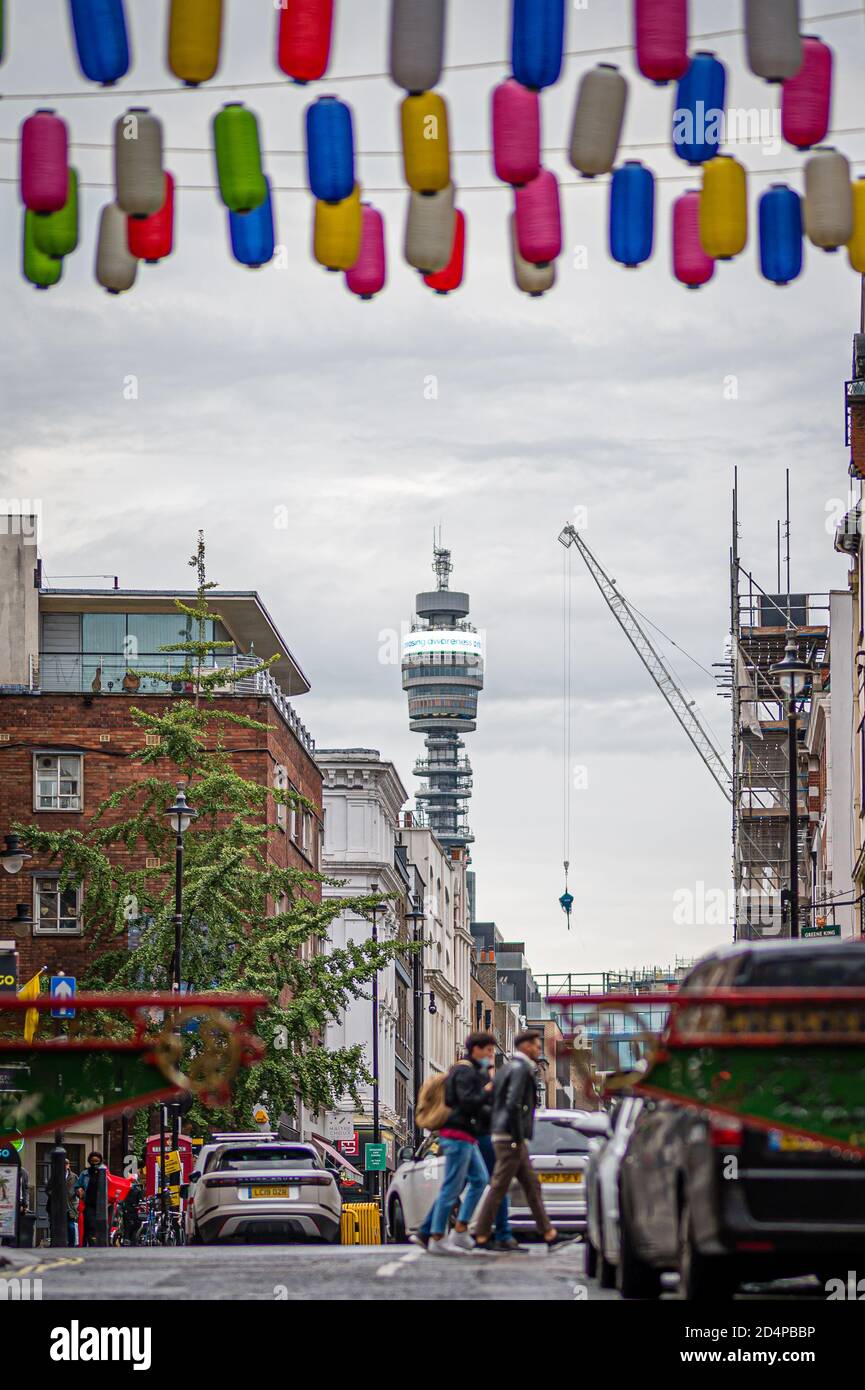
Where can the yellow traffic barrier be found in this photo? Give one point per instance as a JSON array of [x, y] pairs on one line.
[[360, 1224]]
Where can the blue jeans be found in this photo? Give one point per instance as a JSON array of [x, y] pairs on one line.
[[464, 1168], [502, 1230]]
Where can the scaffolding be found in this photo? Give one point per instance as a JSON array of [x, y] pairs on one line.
[[761, 623]]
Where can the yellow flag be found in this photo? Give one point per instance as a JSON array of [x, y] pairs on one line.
[[31, 1017]]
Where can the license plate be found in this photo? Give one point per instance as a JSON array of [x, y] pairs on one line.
[[561, 1177], [792, 1143], [265, 1193]]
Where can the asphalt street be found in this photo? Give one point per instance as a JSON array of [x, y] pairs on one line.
[[316, 1273]]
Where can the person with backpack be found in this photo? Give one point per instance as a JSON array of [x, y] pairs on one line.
[[515, 1099], [456, 1110]]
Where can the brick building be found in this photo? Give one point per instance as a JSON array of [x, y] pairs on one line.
[[66, 730]]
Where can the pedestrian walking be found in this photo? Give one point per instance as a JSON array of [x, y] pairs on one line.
[[88, 1186], [514, 1101], [130, 1218], [466, 1093], [503, 1237]]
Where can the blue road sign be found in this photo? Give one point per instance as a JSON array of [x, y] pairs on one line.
[[63, 986]]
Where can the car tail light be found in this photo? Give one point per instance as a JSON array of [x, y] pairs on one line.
[[291, 1179], [724, 1132]]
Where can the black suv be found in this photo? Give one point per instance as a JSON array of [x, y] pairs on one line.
[[723, 1204]]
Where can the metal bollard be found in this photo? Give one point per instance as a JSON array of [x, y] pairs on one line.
[[57, 1191]]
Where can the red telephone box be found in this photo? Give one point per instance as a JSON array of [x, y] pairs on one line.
[[152, 1161]]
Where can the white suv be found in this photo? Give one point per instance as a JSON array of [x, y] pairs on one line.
[[248, 1190]]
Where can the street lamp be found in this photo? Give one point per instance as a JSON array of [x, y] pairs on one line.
[[376, 1117], [792, 674], [13, 856], [416, 916], [180, 816]]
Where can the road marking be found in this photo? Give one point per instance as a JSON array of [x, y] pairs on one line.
[[389, 1270], [48, 1264]]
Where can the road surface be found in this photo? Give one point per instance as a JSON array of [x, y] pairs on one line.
[[311, 1273]]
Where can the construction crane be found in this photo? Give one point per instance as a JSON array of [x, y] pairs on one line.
[[684, 709]]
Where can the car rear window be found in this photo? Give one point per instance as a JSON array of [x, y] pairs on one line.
[[558, 1137], [826, 967], [257, 1157]]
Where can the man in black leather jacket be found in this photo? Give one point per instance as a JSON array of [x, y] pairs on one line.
[[515, 1098]]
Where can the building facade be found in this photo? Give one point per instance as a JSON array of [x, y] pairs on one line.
[[68, 662], [363, 798], [447, 945]]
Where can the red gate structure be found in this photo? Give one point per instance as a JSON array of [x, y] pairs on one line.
[[134, 1060], [783, 1059]]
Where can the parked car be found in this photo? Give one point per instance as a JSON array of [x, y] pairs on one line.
[[559, 1150], [602, 1193], [723, 1204], [263, 1190]]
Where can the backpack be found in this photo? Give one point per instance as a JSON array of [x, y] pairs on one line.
[[432, 1108]]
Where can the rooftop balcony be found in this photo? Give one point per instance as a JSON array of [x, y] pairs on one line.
[[92, 673]]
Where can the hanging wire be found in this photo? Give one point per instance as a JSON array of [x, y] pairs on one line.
[[461, 188], [108, 146], [566, 900], [275, 83]]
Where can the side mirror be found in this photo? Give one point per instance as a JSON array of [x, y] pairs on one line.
[[405, 1155]]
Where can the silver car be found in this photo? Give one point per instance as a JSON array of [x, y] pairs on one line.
[[257, 1191], [559, 1150], [602, 1193]]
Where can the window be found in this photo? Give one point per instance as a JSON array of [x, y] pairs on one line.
[[260, 1156], [280, 784], [292, 819], [305, 830], [55, 910], [58, 782]]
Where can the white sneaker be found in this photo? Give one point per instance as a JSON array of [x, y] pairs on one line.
[[461, 1241], [438, 1247]]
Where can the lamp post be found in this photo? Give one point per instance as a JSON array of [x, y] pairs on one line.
[[180, 816], [792, 674], [14, 856], [13, 859], [416, 917], [376, 1116]]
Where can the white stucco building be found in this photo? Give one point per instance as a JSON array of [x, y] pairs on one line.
[[447, 954], [362, 798]]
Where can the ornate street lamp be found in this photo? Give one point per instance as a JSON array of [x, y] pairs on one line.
[[180, 816], [14, 856], [416, 916]]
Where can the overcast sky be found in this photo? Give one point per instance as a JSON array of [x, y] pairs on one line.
[[259, 392]]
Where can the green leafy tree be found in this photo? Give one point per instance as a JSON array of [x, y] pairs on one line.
[[248, 924]]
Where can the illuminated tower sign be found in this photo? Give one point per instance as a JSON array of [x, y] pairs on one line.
[[442, 673]]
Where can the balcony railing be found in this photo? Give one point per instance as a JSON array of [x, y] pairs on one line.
[[101, 674], [423, 766]]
